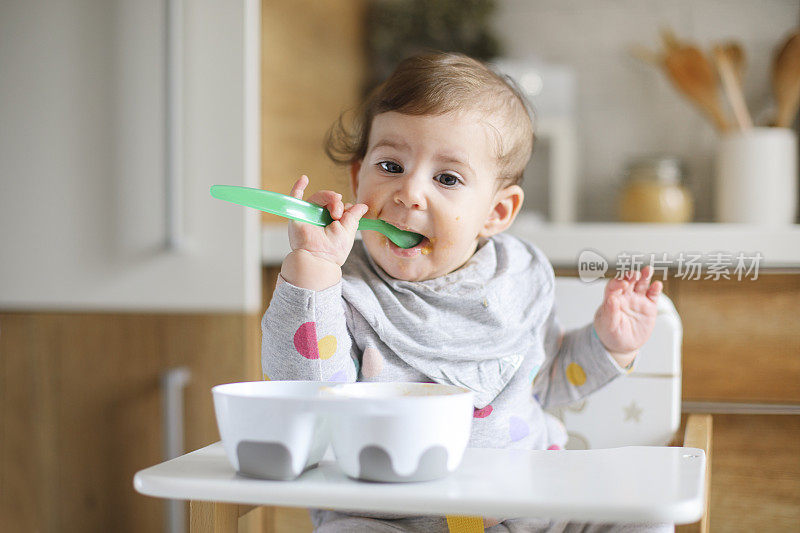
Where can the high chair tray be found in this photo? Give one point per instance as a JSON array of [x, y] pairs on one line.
[[630, 484]]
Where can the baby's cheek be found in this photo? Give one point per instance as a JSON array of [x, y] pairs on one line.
[[446, 241]]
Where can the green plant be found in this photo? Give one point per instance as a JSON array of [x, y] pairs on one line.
[[397, 29]]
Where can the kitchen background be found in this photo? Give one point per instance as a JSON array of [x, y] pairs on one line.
[[118, 271], [615, 106], [626, 108]]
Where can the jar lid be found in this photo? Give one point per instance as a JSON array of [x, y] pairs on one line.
[[663, 169]]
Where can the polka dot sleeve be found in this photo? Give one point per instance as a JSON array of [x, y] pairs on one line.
[[305, 336], [576, 364]]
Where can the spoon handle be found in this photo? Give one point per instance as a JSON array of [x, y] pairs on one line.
[[285, 206], [272, 202], [290, 207], [374, 224]]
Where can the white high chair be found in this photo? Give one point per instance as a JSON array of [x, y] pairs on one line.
[[641, 409]]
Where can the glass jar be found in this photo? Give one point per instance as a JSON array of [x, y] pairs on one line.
[[653, 192]]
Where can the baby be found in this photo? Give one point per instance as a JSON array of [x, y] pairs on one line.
[[439, 149]]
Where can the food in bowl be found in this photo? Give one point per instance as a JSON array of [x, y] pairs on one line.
[[399, 432], [271, 429]]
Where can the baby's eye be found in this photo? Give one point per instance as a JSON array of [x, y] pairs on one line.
[[447, 179], [391, 166]]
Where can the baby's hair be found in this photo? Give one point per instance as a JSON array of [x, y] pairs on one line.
[[436, 84]]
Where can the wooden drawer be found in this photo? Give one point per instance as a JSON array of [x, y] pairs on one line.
[[741, 339]]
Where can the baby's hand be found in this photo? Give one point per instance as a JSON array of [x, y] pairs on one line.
[[333, 242], [627, 315], [318, 253]]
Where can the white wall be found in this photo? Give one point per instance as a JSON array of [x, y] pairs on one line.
[[626, 108], [82, 158]]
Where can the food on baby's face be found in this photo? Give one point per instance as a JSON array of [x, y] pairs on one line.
[[427, 247]]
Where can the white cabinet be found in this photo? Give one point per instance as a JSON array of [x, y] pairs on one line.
[[83, 218]]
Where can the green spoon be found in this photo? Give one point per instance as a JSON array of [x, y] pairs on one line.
[[290, 207]]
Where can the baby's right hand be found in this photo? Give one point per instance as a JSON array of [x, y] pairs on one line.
[[333, 242]]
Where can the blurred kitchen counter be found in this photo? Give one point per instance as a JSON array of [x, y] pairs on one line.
[[562, 243]]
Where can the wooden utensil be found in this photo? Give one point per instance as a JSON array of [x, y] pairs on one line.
[[691, 72], [736, 53], [786, 80], [729, 58]]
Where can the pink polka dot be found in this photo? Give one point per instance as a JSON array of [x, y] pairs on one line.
[[482, 413], [554, 447], [305, 340], [372, 363]]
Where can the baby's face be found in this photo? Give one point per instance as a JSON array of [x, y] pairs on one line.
[[434, 175]]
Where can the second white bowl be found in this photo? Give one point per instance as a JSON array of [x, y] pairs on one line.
[[399, 431]]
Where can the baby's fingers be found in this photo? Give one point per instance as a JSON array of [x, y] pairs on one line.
[[644, 282], [299, 186], [330, 200], [654, 290], [351, 217]]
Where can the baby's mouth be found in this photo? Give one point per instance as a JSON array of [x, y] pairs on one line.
[[423, 247]]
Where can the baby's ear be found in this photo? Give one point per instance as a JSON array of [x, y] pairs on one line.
[[505, 205]]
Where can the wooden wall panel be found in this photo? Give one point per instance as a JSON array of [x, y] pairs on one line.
[[312, 68], [81, 409], [28, 429], [741, 339]]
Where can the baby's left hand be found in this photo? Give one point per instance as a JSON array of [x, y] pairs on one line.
[[627, 315]]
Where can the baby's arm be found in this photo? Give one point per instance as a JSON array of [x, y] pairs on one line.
[[576, 364], [304, 331], [305, 336], [583, 360]]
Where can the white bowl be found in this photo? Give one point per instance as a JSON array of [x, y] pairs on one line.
[[271, 429], [399, 431]]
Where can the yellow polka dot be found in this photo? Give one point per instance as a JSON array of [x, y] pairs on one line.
[[266, 377], [575, 374], [327, 346]]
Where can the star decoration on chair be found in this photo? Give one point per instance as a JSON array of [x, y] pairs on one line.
[[632, 412]]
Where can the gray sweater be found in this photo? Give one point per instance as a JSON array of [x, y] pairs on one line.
[[489, 326]]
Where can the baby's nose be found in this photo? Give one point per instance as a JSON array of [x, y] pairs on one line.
[[411, 193]]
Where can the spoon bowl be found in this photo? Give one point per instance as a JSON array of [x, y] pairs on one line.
[[293, 208]]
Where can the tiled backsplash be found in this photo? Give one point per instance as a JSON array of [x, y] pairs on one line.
[[626, 108]]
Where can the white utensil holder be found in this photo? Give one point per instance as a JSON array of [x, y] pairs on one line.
[[756, 177]]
